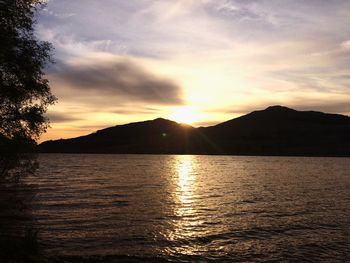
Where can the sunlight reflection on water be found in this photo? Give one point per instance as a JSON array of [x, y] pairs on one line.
[[194, 207], [184, 211], [190, 209], [186, 181]]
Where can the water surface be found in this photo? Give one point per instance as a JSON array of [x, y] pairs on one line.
[[185, 208]]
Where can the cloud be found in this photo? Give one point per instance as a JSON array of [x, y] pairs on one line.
[[221, 53], [342, 107], [140, 110], [345, 45], [61, 117], [330, 105], [121, 79]]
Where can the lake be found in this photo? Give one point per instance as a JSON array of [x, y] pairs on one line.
[[194, 208]]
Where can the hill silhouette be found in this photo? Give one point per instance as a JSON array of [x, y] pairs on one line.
[[276, 130]]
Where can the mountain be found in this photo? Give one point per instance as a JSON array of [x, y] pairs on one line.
[[276, 130]]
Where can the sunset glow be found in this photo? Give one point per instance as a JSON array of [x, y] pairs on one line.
[[174, 131], [199, 62], [187, 115]]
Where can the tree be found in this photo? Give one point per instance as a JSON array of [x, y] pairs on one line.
[[24, 92], [24, 98]]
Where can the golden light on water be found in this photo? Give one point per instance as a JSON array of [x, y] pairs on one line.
[[186, 178], [185, 188]]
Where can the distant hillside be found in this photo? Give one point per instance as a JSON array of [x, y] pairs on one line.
[[276, 130]]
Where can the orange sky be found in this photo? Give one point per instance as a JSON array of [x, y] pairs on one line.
[[195, 61]]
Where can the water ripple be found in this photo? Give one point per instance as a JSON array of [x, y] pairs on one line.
[[193, 208]]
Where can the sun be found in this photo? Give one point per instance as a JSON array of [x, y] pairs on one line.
[[186, 114]]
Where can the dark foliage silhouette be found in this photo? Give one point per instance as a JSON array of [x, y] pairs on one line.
[[24, 98], [24, 92]]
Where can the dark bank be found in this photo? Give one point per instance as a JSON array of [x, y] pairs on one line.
[[275, 131]]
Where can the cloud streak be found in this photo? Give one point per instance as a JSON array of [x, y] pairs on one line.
[[123, 79], [56, 117]]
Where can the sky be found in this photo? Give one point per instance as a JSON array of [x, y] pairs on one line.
[[195, 61]]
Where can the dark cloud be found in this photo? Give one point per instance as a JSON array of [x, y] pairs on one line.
[[60, 117], [92, 128], [123, 79], [138, 110]]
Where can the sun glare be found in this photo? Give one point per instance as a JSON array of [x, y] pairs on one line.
[[186, 115]]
